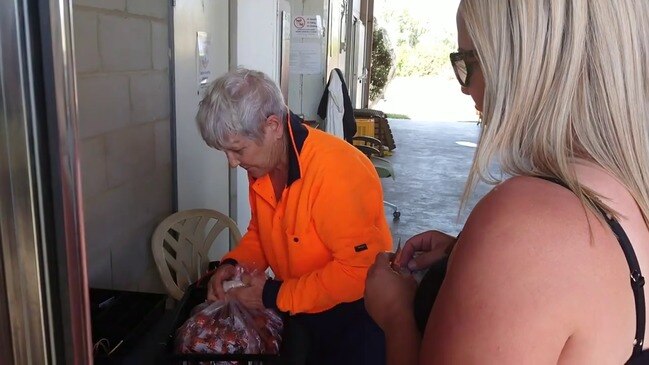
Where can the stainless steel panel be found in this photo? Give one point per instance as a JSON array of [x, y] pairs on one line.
[[60, 80], [41, 234], [18, 226]]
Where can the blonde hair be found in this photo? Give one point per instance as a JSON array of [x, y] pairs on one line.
[[564, 79]]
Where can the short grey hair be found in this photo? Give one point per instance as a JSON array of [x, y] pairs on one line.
[[238, 103]]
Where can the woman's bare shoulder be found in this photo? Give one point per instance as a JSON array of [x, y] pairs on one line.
[[527, 218], [530, 207], [512, 276]]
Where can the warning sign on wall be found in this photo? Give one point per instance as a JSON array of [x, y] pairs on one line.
[[307, 26]]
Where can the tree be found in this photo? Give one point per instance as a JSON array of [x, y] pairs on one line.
[[382, 61], [427, 58], [418, 50], [410, 30]]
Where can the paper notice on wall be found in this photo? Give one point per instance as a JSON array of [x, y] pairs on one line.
[[203, 49], [306, 58], [307, 26]]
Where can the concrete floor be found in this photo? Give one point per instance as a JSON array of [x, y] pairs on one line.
[[431, 170]]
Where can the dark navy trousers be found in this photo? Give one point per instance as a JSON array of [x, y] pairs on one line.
[[342, 335]]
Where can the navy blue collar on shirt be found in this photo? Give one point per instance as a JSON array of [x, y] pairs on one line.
[[297, 135]]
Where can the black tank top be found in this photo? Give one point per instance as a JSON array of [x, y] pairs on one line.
[[432, 281]]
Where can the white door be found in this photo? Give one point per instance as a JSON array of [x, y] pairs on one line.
[[202, 172], [336, 39], [360, 73]]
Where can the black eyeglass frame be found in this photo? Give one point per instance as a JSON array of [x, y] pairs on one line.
[[469, 58]]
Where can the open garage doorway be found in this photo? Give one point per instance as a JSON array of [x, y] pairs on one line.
[[421, 84], [434, 124]]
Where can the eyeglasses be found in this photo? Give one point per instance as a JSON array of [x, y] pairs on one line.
[[462, 63]]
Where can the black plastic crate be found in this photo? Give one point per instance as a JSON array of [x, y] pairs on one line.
[[194, 296], [120, 319]]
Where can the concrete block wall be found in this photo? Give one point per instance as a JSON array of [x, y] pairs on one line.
[[122, 58]]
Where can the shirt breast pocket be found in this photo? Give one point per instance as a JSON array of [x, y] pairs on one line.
[[306, 251]]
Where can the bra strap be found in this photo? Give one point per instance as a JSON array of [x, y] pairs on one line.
[[637, 280]]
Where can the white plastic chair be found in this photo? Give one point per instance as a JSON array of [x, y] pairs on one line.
[[181, 243], [373, 149]]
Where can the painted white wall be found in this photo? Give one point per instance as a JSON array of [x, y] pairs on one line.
[[256, 44], [255, 38], [203, 172]]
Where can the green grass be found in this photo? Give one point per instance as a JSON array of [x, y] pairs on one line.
[[397, 116]]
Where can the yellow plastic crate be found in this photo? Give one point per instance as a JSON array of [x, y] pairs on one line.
[[365, 127]]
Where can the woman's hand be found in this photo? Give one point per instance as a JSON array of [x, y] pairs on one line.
[[251, 295], [388, 294], [215, 286], [431, 245]]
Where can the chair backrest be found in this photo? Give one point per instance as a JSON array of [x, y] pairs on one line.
[[370, 146], [383, 167], [181, 244]]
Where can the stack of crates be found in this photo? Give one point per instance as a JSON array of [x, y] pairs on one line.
[[373, 123], [365, 127], [384, 133]]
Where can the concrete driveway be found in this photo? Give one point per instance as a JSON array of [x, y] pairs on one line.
[[431, 168]]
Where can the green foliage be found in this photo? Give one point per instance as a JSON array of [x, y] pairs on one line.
[[410, 30], [419, 52], [425, 59], [382, 62], [396, 116]]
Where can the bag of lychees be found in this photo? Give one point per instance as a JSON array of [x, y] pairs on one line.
[[228, 327]]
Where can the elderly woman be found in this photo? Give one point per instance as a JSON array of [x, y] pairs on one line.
[[317, 218], [548, 268]]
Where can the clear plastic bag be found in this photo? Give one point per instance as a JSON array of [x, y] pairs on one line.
[[228, 327]]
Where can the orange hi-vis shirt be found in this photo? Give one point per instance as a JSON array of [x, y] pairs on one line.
[[324, 233]]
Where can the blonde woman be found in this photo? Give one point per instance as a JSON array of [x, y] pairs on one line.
[[548, 268]]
